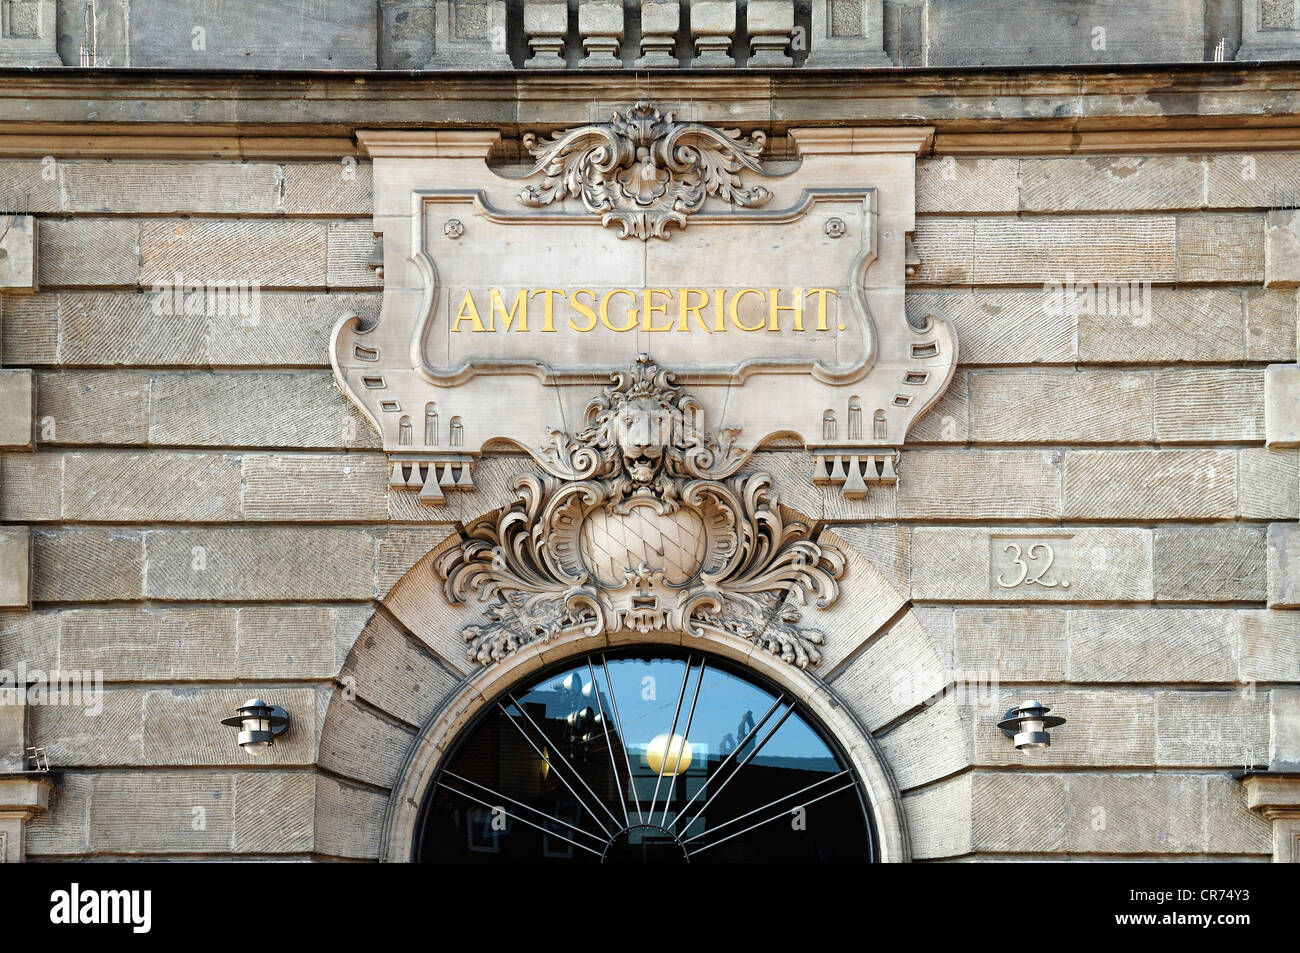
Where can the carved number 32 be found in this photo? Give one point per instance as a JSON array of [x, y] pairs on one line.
[[1038, 579]]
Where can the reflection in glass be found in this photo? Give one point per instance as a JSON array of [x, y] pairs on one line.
[[666, 757]]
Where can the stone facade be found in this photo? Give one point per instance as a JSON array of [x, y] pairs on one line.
[[1099, 509]]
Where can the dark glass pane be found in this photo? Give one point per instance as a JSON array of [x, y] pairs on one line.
[[636, 757]]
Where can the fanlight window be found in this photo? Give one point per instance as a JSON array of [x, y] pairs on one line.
[[645, 755]]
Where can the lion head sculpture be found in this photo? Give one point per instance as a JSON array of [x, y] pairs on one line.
[[644, 435]]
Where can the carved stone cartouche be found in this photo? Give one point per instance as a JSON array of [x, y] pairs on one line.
[[641, 525]]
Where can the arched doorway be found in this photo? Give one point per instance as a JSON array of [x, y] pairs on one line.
[[645, 754]]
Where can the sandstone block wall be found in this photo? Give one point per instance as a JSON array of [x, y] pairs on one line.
[[208, 517]]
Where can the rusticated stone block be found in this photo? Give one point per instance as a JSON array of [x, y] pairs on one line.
[[1001, 327], [1221, 248], [1024, 644], [1112, 728], [1150, 484], [953, 564], [315, 488], [89, 251], [147, 486], [156, 813], [1283, 565], [138, 328], [948, 184], [285, 410], [1271, 319], [1020, 813], [939, 818], [87, 565], [948, 421], [127, 644], [296, 641], [885, 546], [329, 188], [1284, 729], [1230, 826], [1152, 645], [1202, 405], [1200, 325], [1135, 814], [1282, 405], [1269, 483], [1282, 248], [18, 270], [254, 563], [96, 407], [31, 638], [1270, 646], [171, 188], [932, 743], [291, 329], [869, 603], [17, 404], [1111, 183], [898, 670], [394, 673], [398, 550], [183, 726], [243, 252], [1210, 563], [13, 729], [350, 244], [357, 743], [327, 34], [984, 484], [1253, 179], [1220, 729], [29, 329], [274, 812], [1061, 406], [63, 827], [31, 487], [349, 819]]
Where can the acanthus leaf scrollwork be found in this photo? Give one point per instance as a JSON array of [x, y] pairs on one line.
[[642, 525], [645, 171]]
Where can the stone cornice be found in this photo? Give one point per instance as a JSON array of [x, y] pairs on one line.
[[1180, 108]]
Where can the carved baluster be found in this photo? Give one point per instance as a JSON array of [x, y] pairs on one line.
[[771, 24], [660, 20], [546, 24], [713, 24], [600, 23]]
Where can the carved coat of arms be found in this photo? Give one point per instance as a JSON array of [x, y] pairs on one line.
[[641, 523]]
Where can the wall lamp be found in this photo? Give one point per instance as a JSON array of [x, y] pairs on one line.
[[259, 725], [1027, 725]]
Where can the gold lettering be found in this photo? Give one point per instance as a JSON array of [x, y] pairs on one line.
[[604, 310], [718, 294], [735, 309], [470, 315], [507, 317], [774, 308], [649, 309], [548, 307], [821, 294], [688, 309], [589, 312]]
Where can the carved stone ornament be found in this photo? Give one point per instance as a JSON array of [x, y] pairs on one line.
[[639, 524], [644, 171], [782, 307]]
